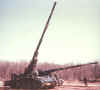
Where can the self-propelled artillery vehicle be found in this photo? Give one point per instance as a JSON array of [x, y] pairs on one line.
[[33, 78], [30, 78]]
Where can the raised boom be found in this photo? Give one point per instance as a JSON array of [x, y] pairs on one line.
[[32, 66]]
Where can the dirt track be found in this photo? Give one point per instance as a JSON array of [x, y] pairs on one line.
[[78, 86], [69, 86]]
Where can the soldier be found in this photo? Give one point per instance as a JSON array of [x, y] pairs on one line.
[[85, 81], [56, 78]]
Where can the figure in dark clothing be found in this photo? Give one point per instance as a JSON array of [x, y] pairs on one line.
[[85, 81]]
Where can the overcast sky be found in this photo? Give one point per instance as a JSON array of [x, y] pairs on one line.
[[73, 34]]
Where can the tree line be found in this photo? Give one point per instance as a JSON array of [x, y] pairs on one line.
[[91, 72]]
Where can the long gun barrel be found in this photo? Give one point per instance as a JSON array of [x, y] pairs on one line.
[[32, 66], [43, 73]]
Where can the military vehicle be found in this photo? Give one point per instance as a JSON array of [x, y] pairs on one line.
[[30, 78], [37, 79]]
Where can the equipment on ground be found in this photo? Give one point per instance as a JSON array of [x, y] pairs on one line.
[[30, 78], [34, 79]]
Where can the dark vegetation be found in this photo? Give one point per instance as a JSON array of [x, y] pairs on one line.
[[92, 72]]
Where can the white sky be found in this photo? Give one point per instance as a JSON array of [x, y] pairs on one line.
[[73, 34]]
